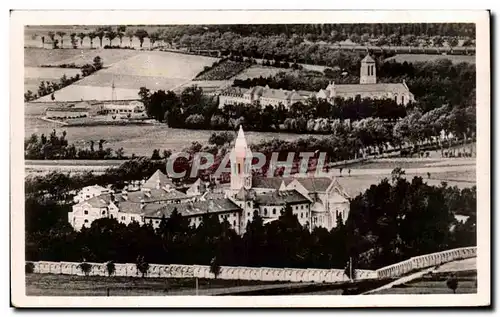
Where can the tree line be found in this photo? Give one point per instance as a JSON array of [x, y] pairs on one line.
[[390, 222]]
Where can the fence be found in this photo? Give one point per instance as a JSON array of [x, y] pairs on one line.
[[424, 261]]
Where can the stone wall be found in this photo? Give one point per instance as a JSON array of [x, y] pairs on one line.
[[260, 273], [425, 261], [201, 271]]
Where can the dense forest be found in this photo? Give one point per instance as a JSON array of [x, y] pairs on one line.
[[390, 222]]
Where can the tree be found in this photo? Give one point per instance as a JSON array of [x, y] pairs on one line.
[[142, 266], [52, 37], [100, 33], [156, 155], [82, 36], [215, 267], [130, 34], [97, 63], [141, 34], [110, 267], [43, 41], [452, 283], [120, 32], [29, 267], [61, 34], [111, 35], [92, 36], [72, 36], [85, 268]]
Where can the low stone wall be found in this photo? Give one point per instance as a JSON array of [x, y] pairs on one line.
[[260, 273], [424, 261], [201, 271]]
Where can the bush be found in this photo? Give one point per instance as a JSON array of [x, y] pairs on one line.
[[29, 267], [85, 268], [111, 268], [195, 121]]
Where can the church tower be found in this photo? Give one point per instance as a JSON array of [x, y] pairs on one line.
[[241, 164], [368, 71]]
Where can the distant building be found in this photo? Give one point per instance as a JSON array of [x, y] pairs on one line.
[[367, 88], [66, 112], [123, 108], [90, 192]]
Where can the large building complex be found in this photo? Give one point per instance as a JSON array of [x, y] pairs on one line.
[[316, 201], [367, 88]]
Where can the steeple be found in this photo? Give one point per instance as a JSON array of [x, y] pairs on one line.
[[241, 163], [368, 71]]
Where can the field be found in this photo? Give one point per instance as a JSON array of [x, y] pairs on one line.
[[70, 285], [34, 75], [411, 58], [128, 69], [224, 70]]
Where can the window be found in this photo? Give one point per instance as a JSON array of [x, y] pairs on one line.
[[104, 212], [234, 223], [307, 214], [274, 211], [234, 215], [265, 211], [123, 218], [402, 99], [86, 221], [157, 221], [111, 216], [85, 212], [248, 204], [132, 218], [239, 169], [301, 215], [296, 207], [301, 206], [396, 98], [248, 214]]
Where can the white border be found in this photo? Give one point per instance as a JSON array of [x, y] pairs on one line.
[[20, 18]]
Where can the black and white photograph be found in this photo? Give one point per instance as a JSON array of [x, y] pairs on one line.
[[333, 160]]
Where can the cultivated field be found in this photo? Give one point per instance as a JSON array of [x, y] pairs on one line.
[[130, 70], [428, 57], [257, 71], [70, 285]]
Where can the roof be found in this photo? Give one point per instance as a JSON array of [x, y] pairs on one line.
[[315, 184], [195, 208], [379, 88], [100, 201], [269, 182], [67, 109], [368, 59], [234, 91], [152, 195], [245, 194], [318, 207], [158, 176], [281, 198], [241, 142], [133, 207]]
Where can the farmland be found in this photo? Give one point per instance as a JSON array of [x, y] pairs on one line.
[[411, 58], [257, 71], [34, 75], [130, 70]]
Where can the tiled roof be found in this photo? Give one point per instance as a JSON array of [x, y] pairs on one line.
[[375, 88], [66, 109], [281, 198], [153, 180], [195, 208], [133, 207], [315, 184], [245, 194], [312, 184]]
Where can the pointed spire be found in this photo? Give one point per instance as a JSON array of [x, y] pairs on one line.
[[241, 142]]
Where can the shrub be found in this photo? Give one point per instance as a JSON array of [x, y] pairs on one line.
[[29, 267], [452, 283], [110, 267], [85, 268], [142, 266]]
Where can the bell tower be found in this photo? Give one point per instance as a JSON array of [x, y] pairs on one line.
[[368, 71], [241, 164]]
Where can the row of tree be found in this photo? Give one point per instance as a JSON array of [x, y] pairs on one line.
[[100, 33], [390, 222]]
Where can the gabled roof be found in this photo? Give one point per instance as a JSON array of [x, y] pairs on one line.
[[152, 195], [195, 208], [269, 182], [281, 198], [315, 184], [157, 176], [245, 194], [368, 59]]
